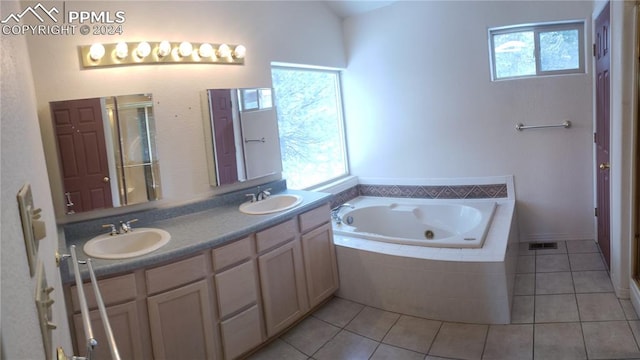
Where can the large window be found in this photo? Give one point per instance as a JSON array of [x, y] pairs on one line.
[[535, 50], [311, 125]]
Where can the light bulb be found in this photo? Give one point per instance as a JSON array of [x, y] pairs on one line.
[[143, 50], [164, 48], [122, 50], [239, 52], [185, 49], [96, 51], [205, 50], [224, 51]]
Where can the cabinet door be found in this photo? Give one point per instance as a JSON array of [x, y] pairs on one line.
[[283, 289], [181, 323], [320, 264], [125, 327]]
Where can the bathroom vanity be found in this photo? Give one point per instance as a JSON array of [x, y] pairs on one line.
[[216, 296]]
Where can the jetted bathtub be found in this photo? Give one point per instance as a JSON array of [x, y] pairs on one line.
[[450, 260], [410, 222]]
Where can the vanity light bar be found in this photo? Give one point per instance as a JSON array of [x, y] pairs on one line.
[[160, 52]]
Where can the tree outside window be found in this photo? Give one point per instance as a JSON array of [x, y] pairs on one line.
[[310, 124]]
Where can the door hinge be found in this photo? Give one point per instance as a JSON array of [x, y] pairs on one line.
[[594, 50], [595, 137], [595, 211]]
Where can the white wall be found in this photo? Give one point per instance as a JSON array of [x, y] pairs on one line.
[[23, 162], [294, 32], [420, 104]]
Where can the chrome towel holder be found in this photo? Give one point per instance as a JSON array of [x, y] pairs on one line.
[[566, 124], [91, 342]]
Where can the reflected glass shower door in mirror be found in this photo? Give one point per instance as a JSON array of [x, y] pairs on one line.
[[136, 165], [106, 151], [242, 135]]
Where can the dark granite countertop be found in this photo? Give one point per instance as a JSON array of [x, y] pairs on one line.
[[190, 234]]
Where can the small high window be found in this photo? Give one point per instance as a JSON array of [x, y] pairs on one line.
[[537, 50]]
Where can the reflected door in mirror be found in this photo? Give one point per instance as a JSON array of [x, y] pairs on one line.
[[222, 112], [106, 152], [83, 154]]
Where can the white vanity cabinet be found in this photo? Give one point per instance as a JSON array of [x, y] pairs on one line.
[[282, 278], [120, 295], [238, 296], [221, 303], [319, 255], [181, 320]]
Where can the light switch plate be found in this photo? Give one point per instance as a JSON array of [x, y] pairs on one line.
[[25, 203]]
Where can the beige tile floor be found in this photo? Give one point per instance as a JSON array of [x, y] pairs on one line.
[[564, 308]]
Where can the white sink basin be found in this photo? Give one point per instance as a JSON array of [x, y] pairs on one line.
[[139, 241], [271, 204]]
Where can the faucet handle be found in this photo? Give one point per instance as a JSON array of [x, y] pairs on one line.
[[253, 197], [112, 227], [126, 225]]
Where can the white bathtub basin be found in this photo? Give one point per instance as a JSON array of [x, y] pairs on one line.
[[137, 242]]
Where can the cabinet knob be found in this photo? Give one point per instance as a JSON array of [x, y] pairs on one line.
[[604, 166], [105, 179]]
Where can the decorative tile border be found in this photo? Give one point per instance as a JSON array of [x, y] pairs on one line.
[[489, 191]]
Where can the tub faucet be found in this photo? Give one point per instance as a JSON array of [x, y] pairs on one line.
[[336, 210]]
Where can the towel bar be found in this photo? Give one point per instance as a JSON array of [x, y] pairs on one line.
[[520, 126]]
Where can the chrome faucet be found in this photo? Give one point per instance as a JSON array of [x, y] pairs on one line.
[[336, 210], [264, 194], [125, 227]]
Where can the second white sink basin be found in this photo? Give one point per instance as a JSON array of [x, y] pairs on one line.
[[271, 204], [139, 241]]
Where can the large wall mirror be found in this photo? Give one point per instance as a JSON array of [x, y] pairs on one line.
[[106, 151], [241, 134]]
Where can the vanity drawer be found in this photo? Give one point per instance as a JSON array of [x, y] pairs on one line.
[[241, 333], [314, 218], [113, 290], [276, 235], [176, 274], [236, 288], [232, 253]]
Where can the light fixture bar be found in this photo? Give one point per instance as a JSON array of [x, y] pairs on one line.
[[160, 52]]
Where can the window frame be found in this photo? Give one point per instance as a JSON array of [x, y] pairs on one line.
[[537, 29], [341, 113]]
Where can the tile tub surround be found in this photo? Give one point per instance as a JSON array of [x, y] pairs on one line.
[[450, 284], [335, 330], [190, 233]]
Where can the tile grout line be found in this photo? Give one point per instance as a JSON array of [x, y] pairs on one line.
[[584, 340], [385, 335]]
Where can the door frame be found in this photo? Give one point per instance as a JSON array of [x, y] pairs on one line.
[[624, 127]]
